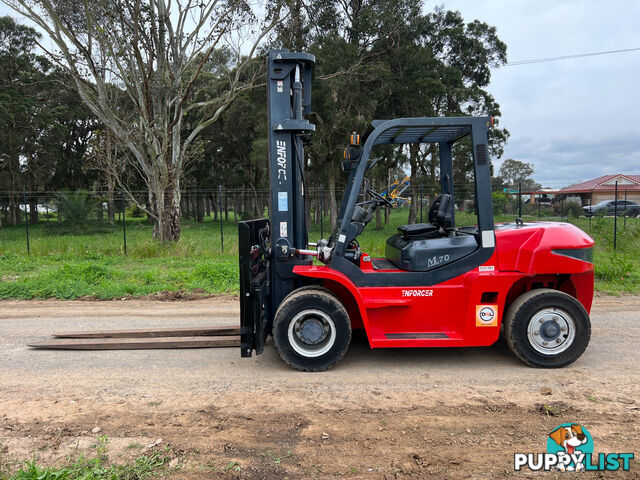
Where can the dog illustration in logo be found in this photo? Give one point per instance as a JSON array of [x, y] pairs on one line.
[[569, 438]]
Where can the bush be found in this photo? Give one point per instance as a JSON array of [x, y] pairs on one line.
[[617, 268], [75, 208], [499, 203], [569, 209], [134, 211]]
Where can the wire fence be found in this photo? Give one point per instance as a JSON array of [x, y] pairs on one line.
[[112, 223]]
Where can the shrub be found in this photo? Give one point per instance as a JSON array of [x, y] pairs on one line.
[[134, 211], [569, 209], [499, 203], [75, 208]]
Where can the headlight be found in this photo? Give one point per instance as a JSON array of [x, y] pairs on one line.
[[584, 254]]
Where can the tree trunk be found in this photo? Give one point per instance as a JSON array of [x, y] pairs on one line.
[[333, 207], [199, 207], [237, 207], [33, 210], [307, 207], [316, 208], [379, 219], [166, 214], [100, 211], [13, 210], [111, 207], [185, 203]]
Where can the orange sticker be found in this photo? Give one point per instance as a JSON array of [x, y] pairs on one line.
[[486, 315]]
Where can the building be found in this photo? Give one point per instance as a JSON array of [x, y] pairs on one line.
[[602, 188]]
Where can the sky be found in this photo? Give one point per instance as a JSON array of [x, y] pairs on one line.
[[574, 119]]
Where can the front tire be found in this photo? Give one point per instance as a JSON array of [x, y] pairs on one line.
[[547, 328], [311, 329]]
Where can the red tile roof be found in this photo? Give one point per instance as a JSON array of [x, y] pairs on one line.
[[597, 184]]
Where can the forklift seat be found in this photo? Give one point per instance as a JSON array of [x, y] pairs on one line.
[[440, 214], [425, 246]]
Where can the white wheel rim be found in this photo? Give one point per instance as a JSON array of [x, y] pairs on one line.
[[551, 331], [311, 319]]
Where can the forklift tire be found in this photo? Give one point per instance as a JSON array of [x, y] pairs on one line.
[[547, 328], [311, 329]]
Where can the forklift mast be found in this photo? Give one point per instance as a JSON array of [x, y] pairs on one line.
[[267, 247], [288, 101]]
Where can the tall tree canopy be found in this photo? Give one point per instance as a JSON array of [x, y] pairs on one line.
[[135, 64], [174, 89], [515, 174]]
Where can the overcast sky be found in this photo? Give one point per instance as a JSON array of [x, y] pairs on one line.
[[573, 119]]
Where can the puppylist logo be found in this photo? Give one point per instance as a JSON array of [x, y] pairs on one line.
[[570, 449]]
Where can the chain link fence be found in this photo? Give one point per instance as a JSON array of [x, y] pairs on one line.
[[106, 224]]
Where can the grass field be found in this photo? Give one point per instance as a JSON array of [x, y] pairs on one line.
[[67, 265]]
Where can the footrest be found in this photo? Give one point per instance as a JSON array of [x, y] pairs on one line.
[[417, 336]]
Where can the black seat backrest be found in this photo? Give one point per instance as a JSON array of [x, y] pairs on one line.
[[433, 210], [441, 211], [445, 212]]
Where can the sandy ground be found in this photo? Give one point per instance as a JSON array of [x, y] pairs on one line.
[[430, 413]]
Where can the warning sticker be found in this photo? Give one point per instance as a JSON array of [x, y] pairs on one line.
[[283, 229], [486, 315]]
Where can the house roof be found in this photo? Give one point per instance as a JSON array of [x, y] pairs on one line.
[[605, 183]]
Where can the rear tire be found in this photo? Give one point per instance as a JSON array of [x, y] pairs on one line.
[[547, 328], [311, 329]]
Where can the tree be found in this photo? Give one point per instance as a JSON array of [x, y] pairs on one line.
[[136, 64], [515, 173], [21, 78]]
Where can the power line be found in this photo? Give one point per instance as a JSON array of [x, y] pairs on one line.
[[567, 57]]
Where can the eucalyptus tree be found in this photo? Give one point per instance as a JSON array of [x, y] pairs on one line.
[[152, 52]]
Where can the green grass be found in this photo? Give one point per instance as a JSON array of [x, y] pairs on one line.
[[65, 265], [95, 467]]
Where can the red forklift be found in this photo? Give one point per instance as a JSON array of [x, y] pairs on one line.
[[439, 285]]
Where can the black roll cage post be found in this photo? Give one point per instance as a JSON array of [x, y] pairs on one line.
[[444, 131]]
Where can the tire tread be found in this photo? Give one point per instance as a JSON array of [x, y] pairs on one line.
[[320, 293], [511, 323]]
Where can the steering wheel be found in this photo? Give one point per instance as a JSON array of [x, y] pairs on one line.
[[379, 198]]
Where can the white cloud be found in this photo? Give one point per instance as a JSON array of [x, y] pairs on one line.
[[573, 119]]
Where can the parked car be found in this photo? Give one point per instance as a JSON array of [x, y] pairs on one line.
[[609, 207]]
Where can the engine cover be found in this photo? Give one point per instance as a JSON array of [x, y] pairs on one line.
[[422, 255]]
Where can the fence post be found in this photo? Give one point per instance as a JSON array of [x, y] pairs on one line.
[[539, 197], [520, 200], [590, 204], [124, 222], [615, 219], [220, 206], [626, 207], [26, 217]]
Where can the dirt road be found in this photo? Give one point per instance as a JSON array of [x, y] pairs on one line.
[[438, 413]]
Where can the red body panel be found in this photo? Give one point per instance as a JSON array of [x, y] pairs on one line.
[[454, 313]]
